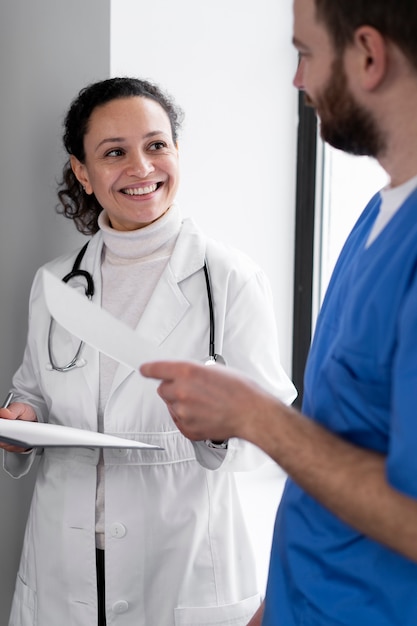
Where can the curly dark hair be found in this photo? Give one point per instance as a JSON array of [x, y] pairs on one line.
[[76, 204]]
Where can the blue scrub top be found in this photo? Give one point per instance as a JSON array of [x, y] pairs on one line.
[[361, 383]]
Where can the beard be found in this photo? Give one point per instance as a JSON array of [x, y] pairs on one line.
[[345, 124]]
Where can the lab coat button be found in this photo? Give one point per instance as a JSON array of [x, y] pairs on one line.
[[121, 606], [117, 530]]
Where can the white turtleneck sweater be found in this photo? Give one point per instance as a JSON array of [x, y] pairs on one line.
[[131, 265]]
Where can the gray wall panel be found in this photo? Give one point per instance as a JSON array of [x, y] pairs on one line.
[[49, 49]]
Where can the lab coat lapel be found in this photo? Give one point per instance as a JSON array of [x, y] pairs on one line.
[[168, 305]]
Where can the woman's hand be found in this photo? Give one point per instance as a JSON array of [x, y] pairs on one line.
[[17, 411]]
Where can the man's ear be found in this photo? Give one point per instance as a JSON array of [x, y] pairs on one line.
[[373, 57], [81, 174]]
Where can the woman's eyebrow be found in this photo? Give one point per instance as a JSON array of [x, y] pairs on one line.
[[152, 133]]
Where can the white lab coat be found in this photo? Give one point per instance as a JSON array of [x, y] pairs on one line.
[[177, 551]]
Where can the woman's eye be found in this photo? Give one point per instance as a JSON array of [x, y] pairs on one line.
[[114, 153], [158, 145]]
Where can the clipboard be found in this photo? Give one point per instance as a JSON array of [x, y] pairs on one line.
[[42, 435]]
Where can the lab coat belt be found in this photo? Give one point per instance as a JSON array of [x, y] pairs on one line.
[[89, 456], [176, 449]]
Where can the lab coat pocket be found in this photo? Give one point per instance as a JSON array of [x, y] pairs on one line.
[[237, 614], [23, 611]]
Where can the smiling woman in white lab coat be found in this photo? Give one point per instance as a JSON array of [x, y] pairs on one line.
[[137, 537]]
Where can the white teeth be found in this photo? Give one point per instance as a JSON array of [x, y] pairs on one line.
[[140, 191]]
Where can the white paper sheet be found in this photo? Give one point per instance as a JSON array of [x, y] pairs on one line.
[[94, 325], [40, 435]]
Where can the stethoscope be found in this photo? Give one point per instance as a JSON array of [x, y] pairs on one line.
[[78, 361]]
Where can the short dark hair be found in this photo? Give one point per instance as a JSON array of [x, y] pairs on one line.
[[394, 19], [76, 205]]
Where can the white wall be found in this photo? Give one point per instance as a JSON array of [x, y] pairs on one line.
[[46, 55], [229, 64]]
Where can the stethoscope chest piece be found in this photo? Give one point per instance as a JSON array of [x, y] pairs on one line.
[[215, 359]]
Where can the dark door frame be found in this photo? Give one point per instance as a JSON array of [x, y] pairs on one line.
[[304, 241]]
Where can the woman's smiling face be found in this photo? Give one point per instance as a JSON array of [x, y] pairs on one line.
[[131, 161]]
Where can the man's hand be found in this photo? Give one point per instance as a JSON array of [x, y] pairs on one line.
[[207, 402]]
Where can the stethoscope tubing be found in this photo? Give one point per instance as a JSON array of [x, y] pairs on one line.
[[212, 351], [76, 361]]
